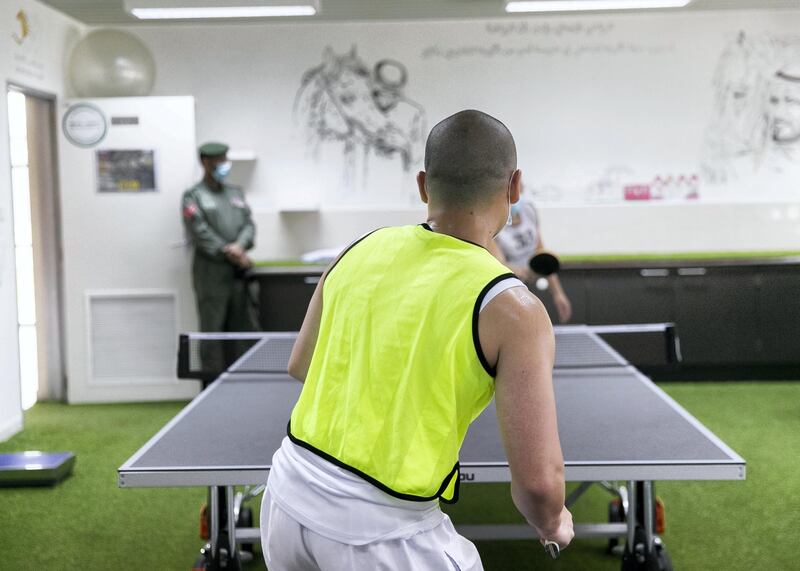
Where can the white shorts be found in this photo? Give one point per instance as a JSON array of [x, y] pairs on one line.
[[290, 546]]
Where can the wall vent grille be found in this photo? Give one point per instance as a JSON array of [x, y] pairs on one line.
[[132, 336]]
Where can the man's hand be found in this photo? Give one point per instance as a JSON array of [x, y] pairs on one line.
[[245, 262], [563, 306], [564, 534], [237, 256], [233, 250]]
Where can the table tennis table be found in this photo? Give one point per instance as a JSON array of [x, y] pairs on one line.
[[615, 425]]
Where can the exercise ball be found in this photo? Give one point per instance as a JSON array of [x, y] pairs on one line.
[[111, 63]]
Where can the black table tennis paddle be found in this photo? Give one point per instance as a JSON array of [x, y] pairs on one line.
[[544, 264]]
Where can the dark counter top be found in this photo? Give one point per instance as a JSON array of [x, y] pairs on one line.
[[678, 262]]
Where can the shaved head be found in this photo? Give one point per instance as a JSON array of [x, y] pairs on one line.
[[469, 157]]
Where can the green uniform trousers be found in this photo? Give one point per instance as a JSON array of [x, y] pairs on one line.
[[223, 304]]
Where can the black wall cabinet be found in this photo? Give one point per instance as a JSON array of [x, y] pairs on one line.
[[726, 314]]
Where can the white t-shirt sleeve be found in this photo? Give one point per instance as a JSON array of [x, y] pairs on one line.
[[499, 288]]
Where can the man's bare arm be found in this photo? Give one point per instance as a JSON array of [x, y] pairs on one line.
[[522, 272], [516, 334], [303, 349]]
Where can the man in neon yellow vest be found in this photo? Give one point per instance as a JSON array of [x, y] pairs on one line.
[[409, 335]]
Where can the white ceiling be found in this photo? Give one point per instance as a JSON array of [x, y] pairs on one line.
[[99, 12]]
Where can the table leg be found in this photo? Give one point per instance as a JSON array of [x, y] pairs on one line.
[[577, 493], [644, 551], [233, 554], [213, 501], [631, 515], [649, 516]]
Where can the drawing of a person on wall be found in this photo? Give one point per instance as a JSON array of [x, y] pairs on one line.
[[756, 125], [735, 130], [364, 110], [782, 119]]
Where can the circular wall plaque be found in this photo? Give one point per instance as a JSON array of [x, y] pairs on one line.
[[84, 125]]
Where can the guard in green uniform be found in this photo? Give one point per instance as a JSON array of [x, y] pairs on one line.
[[221, 227]]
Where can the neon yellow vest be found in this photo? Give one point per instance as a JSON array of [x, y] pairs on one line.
[[397, 373]]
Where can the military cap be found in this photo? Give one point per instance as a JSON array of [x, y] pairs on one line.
[[213, 149]]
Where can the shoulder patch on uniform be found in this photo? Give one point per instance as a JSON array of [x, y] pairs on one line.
[[189, 210]]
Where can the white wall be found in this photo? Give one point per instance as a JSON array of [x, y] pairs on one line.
[[663, 229], [37, 62], [647, 105]]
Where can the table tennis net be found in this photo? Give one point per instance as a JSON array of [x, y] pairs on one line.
[[205, 356]]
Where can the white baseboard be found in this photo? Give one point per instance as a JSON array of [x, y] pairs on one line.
[[10, 428]]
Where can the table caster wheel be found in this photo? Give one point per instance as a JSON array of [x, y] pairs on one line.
[[203, 561], [637, 560], [246, 520], [615, 515]]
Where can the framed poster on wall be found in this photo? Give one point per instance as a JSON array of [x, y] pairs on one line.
[[126, 170]]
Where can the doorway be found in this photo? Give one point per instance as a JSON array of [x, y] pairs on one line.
[[37, 244]]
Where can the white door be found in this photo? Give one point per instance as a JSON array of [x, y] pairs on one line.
[[124, 163]]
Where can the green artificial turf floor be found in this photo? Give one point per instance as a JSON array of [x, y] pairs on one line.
[[87, 523]]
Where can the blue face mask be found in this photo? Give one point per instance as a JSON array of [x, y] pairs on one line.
[[516, 208], [221, 171]]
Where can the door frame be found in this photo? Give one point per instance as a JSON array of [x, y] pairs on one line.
[[57, 389]]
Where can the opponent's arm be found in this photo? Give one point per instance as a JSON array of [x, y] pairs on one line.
[[516, 334], [523, 273], [560, 298]]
